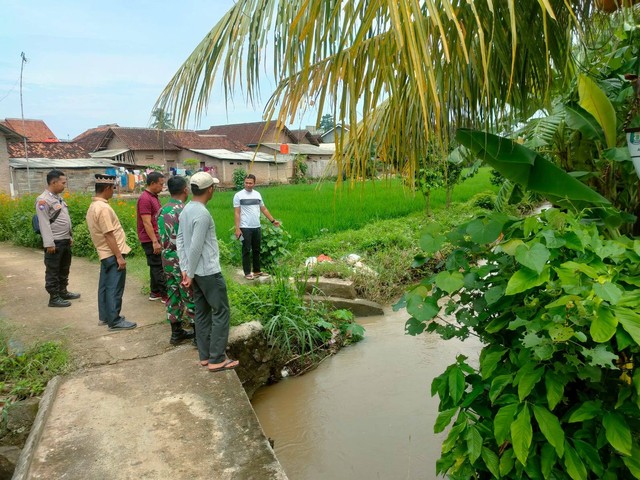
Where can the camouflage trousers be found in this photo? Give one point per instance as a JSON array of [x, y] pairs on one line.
[[180, 299]]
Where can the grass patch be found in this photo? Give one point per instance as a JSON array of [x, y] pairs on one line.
[[24, 372]]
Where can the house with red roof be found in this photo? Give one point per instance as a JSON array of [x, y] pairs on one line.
[[33, 130]]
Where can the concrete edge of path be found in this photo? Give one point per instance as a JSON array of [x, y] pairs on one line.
[[26, 456]]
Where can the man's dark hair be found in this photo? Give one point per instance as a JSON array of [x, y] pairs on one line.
[[251, 176], [176, 184], [153, 177], [101, 187], [54, 175], [199, 191]]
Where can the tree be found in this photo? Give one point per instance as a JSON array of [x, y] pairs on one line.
[[327, 122], [416, 70], [161, 120]]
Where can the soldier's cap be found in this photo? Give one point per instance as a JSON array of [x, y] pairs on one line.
[[105, 179], [202, 180]]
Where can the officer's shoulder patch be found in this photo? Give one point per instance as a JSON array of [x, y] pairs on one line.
[[42, 201]]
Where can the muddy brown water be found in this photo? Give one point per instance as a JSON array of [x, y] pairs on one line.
[[365, 413]]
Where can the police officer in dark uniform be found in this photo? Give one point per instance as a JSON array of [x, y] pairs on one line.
[[55, 228]]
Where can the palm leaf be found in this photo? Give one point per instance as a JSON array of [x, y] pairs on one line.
[[401, 74]]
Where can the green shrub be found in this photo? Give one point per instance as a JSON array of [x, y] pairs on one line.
[[25, 373], [484, 200], [274, 245], [555, 305], [82, 243], [238, 177]]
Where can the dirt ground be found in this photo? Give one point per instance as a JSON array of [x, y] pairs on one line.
[[23, 306]]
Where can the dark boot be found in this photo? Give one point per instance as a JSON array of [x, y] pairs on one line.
[[178, 334], [66, 295], [58, 301]]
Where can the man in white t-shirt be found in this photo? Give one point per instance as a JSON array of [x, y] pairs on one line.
[[247, 205]]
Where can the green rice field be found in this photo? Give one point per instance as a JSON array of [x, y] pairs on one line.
[[307, 211]]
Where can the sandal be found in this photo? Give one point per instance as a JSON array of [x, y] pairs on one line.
[[249, 276], [260, 274], [227, 365]]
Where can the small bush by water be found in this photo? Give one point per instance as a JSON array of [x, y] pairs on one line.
[[25, 371]]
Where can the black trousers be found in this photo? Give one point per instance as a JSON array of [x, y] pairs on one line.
[[156, 272], [251, 244], [57, 265]]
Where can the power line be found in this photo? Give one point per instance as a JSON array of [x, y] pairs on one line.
[[10, 91]]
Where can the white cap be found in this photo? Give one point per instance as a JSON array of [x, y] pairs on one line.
[[203, 180]]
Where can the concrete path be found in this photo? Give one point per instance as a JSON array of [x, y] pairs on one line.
[[137, 408]]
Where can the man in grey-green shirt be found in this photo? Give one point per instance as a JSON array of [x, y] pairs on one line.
[[199, 256], [55, 227]]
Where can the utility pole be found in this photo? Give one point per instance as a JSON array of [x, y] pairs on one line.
[[24, 130]]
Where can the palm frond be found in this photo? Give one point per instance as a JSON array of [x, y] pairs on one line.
[[401, 74]]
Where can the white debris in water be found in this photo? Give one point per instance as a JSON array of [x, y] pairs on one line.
[[284, 373]]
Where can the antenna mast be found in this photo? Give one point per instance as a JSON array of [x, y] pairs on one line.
[[24, 130]]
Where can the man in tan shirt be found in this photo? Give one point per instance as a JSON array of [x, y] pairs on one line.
[[110, 241]]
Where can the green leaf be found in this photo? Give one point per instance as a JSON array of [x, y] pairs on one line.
[[588, 410], [533, 258], [414, 327], [431, 244], [555, 389], [444, 419], [548, 459], [453, 438], [578, 118], [595, 101], [600, 356], [608, 292], [492, 461], [550, 428], [420, 306], [525, 279], [561, 333], [449, 282], [590, 455], [483, 231], [493, 294], [527, 381], [630, 321], [497, 386], [604, 325], [456, 384], [525, 167], [474, 443], [573, 464], [521, 435], [502, 422], [506, 462], [489, 359], [633, 462], [617, 432]]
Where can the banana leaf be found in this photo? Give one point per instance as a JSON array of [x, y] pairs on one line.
[[530, 169]]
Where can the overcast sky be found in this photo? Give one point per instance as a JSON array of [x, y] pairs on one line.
[[92, 63]]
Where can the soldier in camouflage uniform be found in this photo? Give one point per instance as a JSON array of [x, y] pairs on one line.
[[179, 298]]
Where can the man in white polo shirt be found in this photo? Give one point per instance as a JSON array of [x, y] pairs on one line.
[[247, 205]]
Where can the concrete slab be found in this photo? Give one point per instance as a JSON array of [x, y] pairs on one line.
[[153, 418], [149, 412], [331, 287]]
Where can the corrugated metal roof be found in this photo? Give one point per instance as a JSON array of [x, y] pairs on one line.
[[108, 153], [304, 149], [222, 154], [62, 164]]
